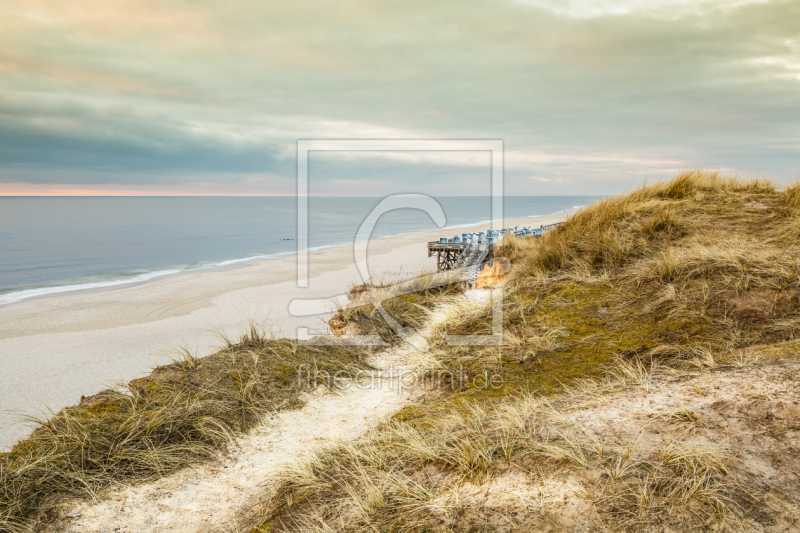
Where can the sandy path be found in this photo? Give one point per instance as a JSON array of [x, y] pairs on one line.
[[212, 496], [57, 348]]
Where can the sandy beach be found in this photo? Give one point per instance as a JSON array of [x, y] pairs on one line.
[[55, 349]]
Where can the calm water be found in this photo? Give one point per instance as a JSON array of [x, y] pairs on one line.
[[56, 244]]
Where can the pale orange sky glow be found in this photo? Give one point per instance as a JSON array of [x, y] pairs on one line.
[[194, 189]]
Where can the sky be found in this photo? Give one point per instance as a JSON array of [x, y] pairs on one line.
[[200, 97]]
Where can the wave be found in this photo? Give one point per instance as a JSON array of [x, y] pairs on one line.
[[24, 294]]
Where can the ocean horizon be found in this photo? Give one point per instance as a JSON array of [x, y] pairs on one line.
[[53, 245]]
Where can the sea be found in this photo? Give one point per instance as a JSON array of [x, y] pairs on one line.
[[59, 244]]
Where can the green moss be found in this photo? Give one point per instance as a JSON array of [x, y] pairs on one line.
[[102, 409], [409, 412], [264, 528]]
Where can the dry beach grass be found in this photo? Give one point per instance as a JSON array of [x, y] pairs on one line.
[[672, 451], [182, 413], [649, 383]]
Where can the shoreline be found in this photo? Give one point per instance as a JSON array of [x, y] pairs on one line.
[[56, 348], [146, 277]]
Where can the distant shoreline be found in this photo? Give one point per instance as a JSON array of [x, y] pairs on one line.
[[14, 297]]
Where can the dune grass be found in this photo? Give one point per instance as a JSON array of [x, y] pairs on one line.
[[182, 413], [406, 298], [404, 477], [695, 274], [523, 462], [703, 262]]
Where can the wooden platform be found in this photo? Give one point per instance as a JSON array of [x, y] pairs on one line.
[[447, 253]]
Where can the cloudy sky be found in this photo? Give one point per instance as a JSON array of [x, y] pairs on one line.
[[200, 97]]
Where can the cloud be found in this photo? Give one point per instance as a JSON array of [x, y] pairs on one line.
[[594, 96], [547, 180], [667, 9]]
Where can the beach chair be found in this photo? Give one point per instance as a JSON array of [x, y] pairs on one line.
[[442, 240], [457, 239]]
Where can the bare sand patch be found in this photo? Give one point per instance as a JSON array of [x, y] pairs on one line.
[[746, 420]]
